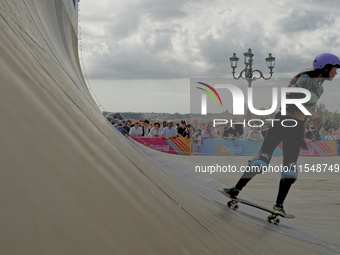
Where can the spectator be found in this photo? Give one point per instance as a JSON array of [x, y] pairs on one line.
[[115, 126], [312, 134], [177, 126], [322, 133], [164, 125], [337, 134], [128, 124], [213, 131], [207, 131], [197, 141], [181, 128], [201, 125], [146, 129], [239, 129], [230, 133], [187, 132], [136, 130], [264, 129], [246, 129], [141, 124], [255, 135], [124, 129], [169, 132], [219, 131], [330, 136], [156, 130], [194, 125]]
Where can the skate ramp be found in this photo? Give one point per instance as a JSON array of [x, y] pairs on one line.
[[71, 184]]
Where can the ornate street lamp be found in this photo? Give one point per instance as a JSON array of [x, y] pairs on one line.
[[248, 73]]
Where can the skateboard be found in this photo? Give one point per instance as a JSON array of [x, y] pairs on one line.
[[273, 216]]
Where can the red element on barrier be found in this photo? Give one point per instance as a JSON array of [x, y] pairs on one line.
[[178, 146]]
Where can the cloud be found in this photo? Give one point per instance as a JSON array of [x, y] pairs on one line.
[[157, 39], [305, 21]]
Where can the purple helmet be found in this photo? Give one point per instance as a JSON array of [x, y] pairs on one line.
[[324, 59]]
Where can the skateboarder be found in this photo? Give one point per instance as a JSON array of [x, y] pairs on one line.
[[324, 68]]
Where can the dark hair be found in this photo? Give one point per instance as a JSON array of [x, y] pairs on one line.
[[314, 73]]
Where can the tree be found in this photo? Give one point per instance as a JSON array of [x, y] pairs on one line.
[[331, 119]]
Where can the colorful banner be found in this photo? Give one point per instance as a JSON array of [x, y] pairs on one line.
[[319, 149], [240, 147], [179, 146]]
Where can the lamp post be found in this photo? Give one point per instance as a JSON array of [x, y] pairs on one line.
[[247, 72]]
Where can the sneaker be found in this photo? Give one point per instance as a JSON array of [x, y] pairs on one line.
[[279, 208], [232, 191]]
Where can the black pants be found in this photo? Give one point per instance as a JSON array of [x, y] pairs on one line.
[[291, 138]]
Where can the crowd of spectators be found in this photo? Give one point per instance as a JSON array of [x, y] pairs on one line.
[[168, 129], [232, 132], [202, 130], [325, 134], [145, 128]]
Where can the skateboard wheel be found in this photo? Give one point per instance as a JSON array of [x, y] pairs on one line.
[[269, 218], [229, 204], [235, 206], [276, 221]]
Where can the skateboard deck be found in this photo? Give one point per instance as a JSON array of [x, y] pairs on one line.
[[272, 217]]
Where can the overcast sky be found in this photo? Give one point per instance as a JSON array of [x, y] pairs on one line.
[[139, 55]]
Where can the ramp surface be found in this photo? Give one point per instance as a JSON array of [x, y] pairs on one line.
[[71, 184]]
